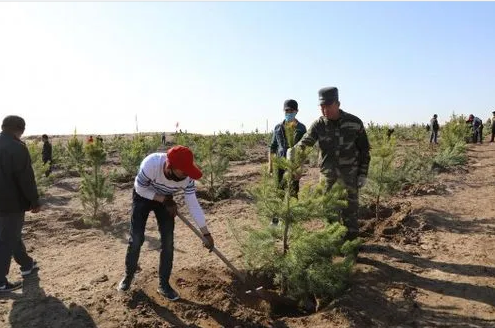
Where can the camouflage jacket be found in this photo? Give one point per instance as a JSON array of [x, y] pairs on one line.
[[344, 145]]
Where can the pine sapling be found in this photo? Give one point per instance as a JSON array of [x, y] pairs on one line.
[[382, 178], [133, 151], [60, 155], [95, 190], [214, 165], [302, 267], [75, 149]]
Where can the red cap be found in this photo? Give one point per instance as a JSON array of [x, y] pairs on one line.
[[181, 158]]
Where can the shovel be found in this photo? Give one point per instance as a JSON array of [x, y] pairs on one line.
[[239, 274], [273, 298]]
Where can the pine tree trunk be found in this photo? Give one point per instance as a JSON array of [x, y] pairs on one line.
[[286, 233], [95, 212]]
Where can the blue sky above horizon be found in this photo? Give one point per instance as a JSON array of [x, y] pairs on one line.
[[215, 66]]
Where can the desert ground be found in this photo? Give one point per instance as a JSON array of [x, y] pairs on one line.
[[428, 261]]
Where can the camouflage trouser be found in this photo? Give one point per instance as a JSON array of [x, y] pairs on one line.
[[349, 215], [283, 184]]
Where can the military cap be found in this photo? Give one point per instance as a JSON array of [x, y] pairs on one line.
[[290, 104], [328, 95], [493, 112], [13, 122]]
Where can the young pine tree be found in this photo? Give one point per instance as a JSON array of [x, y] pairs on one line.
[[453, 146], [60, 155], [300, 257], [133, 151], [382, 177], [75, 150], [95, 191], [214, 165]]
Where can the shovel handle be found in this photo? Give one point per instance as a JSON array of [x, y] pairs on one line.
[[214, 250]]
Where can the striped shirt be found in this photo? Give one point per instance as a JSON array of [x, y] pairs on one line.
[[151, 181]]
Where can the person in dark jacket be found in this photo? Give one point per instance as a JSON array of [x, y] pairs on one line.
[[434, 129], [46, 154], [18, 194], [280, 143], [477, 128]]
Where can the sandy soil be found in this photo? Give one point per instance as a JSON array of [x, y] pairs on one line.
[[429, 261]]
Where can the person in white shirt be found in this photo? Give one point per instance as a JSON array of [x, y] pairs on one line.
[[160, 176]]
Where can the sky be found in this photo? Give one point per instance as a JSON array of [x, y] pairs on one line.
[[217, 66]]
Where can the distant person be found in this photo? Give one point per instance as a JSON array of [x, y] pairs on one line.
[[163, 138], [279, 143], [46, 154], [99, 139], [434, 129], [90, 139], [493, 126], [476, 128], [18, 194], [161, 175], [390, 131]]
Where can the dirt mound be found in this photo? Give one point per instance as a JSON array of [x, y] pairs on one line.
[[396, 223], [423, 189]]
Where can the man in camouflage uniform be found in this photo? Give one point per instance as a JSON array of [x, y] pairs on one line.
[[345, 152]]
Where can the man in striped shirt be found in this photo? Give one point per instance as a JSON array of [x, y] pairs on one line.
[[160, 176]]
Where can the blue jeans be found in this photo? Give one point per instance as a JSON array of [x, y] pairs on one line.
[[141, 208], [11, 244]]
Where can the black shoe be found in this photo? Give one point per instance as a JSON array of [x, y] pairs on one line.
[[168, 292], [10, 286], [33, 268], [125, 283]]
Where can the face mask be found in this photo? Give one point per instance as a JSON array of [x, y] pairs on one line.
[[290, 116]]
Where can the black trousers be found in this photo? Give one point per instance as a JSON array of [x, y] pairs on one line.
[[141, 208], [11, 244]]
